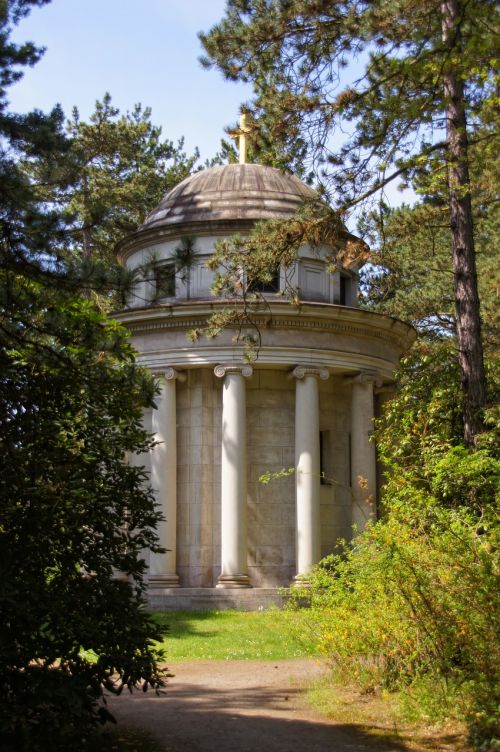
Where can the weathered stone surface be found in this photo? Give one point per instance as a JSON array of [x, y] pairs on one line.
[[232, 193], [204, 598], [323, 333]]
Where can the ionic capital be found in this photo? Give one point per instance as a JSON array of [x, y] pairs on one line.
[[170, 374], [241, 368], [365, 377], [300, 372]]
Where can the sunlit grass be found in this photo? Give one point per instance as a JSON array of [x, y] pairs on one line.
[[230, 635], [380, 715]]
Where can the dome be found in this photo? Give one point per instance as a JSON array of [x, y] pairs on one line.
[[242, 193]]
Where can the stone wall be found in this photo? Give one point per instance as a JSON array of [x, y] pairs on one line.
[[270, 448], [198, 479], [271, 507]]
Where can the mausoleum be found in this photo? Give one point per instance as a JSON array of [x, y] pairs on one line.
[[307, 402]]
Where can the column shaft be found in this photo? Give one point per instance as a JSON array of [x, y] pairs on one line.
[[307, 463], [363, 457], [162, 571], [233, 479]]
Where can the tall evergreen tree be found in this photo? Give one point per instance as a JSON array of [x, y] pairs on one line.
[[72, 511], [426, 70], [410, 274], [117, 168]]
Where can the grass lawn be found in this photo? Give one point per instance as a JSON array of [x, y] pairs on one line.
[[381, 716], [230, 635]]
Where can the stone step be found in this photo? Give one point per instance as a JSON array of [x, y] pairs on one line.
[[213, 599]]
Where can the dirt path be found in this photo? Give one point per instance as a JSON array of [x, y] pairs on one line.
[[239, 706]]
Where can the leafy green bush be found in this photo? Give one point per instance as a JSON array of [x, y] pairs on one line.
[[412, 604], [72, 511]]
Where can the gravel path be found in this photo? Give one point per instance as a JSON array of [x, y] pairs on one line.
[[239, 706]]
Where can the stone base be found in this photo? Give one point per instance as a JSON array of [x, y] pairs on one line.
[[233, 581], [163, 581], [301, 580], [214, 599]]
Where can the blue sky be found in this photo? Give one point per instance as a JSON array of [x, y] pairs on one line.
[[140, 51]]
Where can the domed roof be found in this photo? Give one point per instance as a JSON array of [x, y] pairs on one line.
[[230, 193]]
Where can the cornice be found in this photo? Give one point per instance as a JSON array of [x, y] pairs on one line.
[[333, 319]]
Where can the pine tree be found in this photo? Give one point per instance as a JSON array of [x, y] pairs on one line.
[[406, 79], [410, 274], [72, 511], [117, 168]]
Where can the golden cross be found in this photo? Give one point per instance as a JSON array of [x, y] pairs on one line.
[[241, 134]]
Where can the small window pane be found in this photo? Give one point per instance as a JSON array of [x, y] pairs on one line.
[[343, 290], [273, 285], [165, 281]]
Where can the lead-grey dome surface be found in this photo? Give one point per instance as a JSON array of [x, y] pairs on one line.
[[244, 192]]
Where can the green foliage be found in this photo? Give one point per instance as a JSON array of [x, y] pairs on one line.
[[423, 422], [184, 259], [410, 274], [113, 170], [285, 472], [424, 416], [373, 71], [231, 635], [72, 510], [122, 170], [464, 478], [379, 91], [411, 607]]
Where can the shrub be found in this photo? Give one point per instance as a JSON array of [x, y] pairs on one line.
[[411, 607]]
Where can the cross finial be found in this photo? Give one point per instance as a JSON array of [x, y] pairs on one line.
[[241, 134]]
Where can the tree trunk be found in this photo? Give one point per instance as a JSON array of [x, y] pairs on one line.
[[464, 262], [87, 243], [86, 234]]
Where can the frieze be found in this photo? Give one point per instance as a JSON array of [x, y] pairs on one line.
[[334, 327]]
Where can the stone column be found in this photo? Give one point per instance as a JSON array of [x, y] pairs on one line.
[[363, 455], [233, 477], [163, 567], [307, 463], [142, 460]]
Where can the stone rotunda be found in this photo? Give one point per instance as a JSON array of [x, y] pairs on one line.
[[307, 402]]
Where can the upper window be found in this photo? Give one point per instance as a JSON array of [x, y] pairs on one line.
[[272, 285], [343, 290], [165, 281]]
